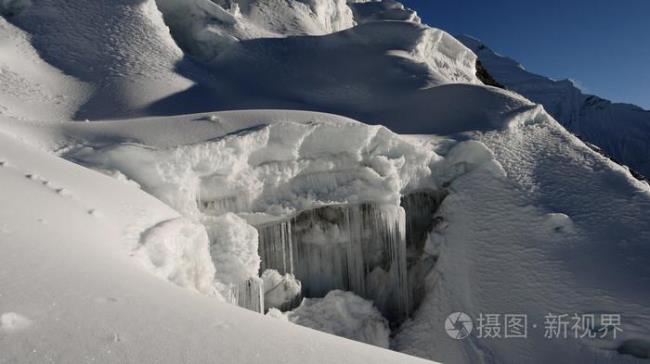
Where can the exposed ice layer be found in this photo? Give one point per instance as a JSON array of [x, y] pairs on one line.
[[354, 247], [276, 246], [248, 294], [420, 207], [343, 314], [281, 291]]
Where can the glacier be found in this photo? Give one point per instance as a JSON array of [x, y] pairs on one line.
[[246, 153]]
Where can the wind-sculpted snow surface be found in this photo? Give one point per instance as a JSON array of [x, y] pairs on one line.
[[31, 88], [177, 250], [621, 130], [122, 49]]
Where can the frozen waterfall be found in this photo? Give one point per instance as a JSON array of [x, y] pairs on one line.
[[368, 248]]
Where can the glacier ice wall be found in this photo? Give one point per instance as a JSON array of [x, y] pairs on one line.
[[373, 250]]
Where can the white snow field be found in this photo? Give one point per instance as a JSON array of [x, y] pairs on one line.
[[620, 130], [245, 152]]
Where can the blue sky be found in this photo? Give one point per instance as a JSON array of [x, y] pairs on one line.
[[604, 45]]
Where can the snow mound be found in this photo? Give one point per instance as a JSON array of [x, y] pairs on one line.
[[31, 88], [177, 250], [124, 51], [280, 290], [343, 314]]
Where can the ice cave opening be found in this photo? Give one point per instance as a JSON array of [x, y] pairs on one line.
[[372, 249]]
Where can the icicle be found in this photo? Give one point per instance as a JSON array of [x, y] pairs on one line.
[[249, 294], [359, 248], [275, 246]]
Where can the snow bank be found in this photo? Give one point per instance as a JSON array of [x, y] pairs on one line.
[[177, 250], [343, 314], [276, 169]]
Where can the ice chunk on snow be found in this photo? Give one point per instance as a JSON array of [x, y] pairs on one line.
[[177, 250], [280, 291], [343, 314]]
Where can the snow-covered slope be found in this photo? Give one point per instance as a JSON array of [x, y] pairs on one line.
[[31, 88], [620, 130], [122, 49]]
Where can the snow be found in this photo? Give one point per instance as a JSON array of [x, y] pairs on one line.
[[592, 118], [33, 89], [125, 237], [272, 167], [233, 246], [11, 321], [343, 314]]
